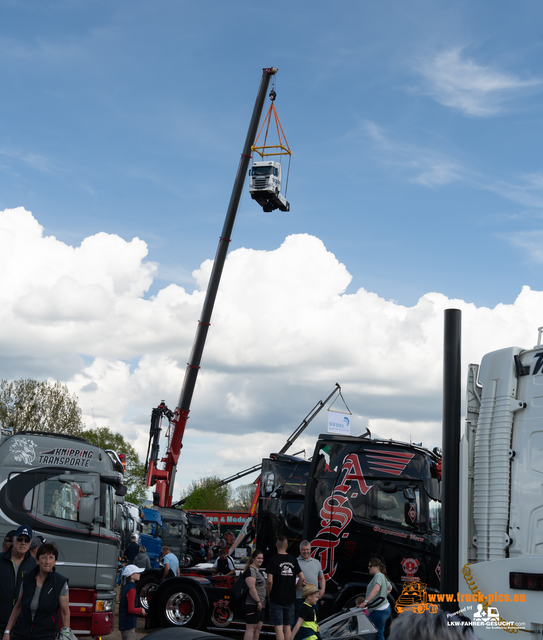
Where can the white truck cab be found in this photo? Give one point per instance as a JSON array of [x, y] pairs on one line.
[[265, 186], [501, 505]]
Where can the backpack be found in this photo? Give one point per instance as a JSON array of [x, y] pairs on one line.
[[240, 588]]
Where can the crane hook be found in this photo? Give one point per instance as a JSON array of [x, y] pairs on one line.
[[272, 95]]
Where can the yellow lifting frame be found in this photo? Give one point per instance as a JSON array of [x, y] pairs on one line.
[[263, 150]]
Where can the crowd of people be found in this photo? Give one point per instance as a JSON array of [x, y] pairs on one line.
[[34, 597], [294, 587]]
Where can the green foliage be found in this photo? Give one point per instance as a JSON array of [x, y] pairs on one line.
[[28, 405], [243, 497], [207, 494], [134, 477]]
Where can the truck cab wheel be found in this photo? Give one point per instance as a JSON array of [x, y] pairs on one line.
[[182, 606], [187, 560], [145, 586]]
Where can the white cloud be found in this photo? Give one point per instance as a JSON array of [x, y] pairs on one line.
[[283, 332], [458, 82]]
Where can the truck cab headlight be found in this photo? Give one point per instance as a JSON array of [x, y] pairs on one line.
[[104, 605]]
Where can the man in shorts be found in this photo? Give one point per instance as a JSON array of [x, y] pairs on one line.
[[284, 574]]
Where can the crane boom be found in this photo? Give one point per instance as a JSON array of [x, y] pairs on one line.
[[164, 478]]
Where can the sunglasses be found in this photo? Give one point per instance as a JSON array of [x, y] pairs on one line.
[[23, 539]]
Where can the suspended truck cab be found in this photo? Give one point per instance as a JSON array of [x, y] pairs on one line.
[[265, 186]]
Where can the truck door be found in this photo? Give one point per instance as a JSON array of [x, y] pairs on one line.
[[57, 505], [108, 551]]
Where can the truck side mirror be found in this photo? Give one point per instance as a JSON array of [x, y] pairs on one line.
[[86, 509], [87, 489]]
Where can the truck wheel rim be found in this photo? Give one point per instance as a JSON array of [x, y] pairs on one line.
[[180, 609], [145, 593]]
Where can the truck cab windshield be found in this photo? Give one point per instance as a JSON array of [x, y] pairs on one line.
[[263, 171]]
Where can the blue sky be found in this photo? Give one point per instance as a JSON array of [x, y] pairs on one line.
[[416, 136]]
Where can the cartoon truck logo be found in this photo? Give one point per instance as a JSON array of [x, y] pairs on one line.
[[414, 598]]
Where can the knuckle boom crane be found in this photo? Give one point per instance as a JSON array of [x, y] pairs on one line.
[[162, 476]]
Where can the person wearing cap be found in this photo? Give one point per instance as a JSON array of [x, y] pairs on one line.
[[44, 593], [15, 564], [306, 626], [128, 611]]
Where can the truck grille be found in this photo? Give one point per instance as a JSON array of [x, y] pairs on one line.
[[260, 183]]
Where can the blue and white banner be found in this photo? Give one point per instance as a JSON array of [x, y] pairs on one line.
[[339, 423]]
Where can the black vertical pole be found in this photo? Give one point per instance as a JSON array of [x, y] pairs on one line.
[[451, 454]]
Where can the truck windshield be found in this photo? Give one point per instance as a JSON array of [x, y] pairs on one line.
[[263, 171], [149, 529], [392, 507]]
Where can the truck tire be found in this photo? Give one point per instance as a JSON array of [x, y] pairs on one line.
[[145, 587], [188, 561], [182, 605]]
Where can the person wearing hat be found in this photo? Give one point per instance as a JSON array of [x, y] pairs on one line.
[[306, 626], [15, 564], [128, 611]]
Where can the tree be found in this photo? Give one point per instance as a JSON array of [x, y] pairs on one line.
[[134, 477], [243, 497], [29, 405], [207, 494]]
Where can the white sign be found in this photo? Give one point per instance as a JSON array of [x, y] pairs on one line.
[[339, 423]]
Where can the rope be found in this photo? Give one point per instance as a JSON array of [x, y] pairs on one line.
[[340, 395]]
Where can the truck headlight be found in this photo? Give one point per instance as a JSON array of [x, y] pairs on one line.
[[104, 605]]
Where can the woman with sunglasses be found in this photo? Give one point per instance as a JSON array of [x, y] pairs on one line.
[[377, 589], [43, 593]]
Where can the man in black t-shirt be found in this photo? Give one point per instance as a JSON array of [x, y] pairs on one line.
[[283, 575]]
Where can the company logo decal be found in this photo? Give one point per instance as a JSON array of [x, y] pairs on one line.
[[389, 462], [222, 615], [23, 450], [67, 457], [410, 567]]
